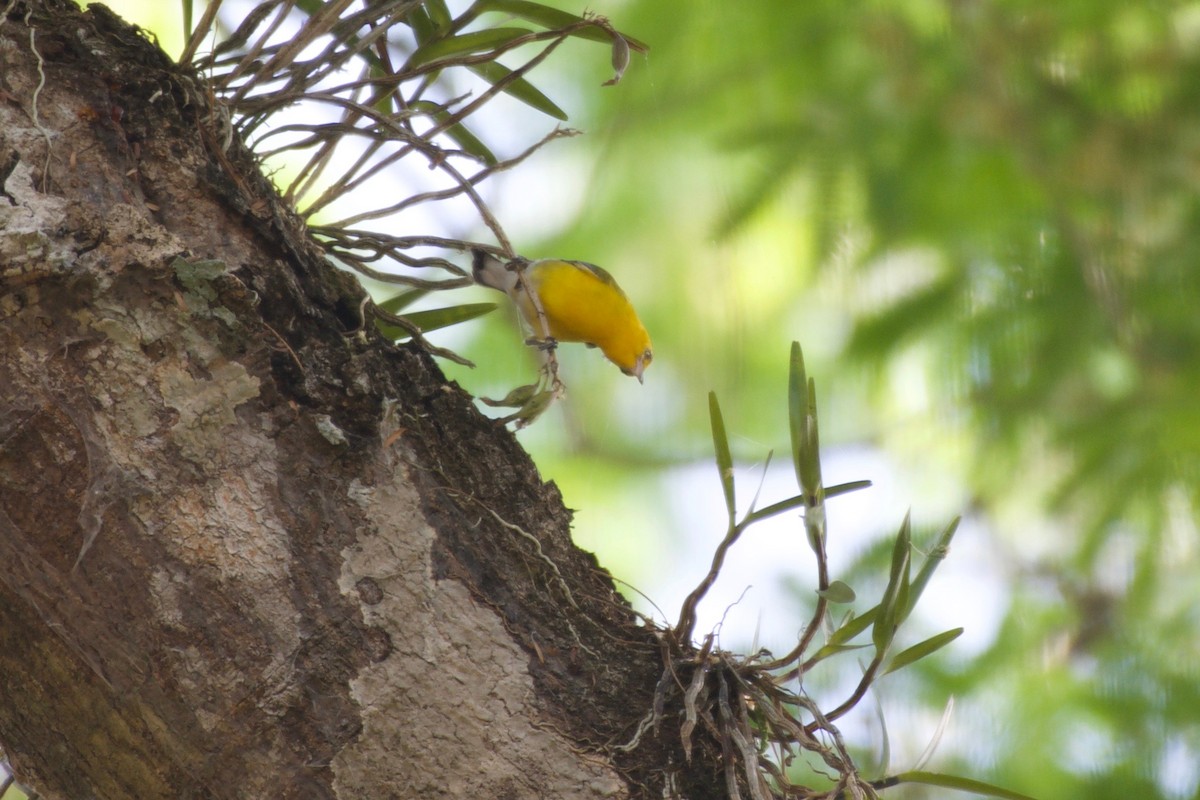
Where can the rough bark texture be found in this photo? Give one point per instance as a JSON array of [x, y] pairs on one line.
[[242, 552]]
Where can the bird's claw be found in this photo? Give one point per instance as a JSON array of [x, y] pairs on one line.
[[547, 344]]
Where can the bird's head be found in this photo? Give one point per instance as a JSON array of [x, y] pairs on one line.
[[633, 360]]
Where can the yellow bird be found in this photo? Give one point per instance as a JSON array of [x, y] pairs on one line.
[[580, 301]]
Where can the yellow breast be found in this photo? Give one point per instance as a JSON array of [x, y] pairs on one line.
[[583, 303]]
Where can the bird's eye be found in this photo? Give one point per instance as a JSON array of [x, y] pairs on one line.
[[647, 356]]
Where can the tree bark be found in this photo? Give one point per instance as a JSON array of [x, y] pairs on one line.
[[244, 550]]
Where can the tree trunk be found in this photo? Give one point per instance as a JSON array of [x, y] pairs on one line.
[[244, 550]]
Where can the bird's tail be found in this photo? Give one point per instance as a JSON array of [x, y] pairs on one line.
[[491, 271]]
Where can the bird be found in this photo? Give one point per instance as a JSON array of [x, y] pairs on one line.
[[580, 302]]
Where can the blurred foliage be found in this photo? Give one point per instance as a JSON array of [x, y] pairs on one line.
[[995, 203], [1036, 161]]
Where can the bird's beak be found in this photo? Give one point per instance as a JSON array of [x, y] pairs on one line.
[[639, 367]]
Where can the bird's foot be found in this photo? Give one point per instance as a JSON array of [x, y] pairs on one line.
[[546, 345]]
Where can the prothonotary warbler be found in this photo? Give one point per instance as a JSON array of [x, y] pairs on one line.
[[580, 302]]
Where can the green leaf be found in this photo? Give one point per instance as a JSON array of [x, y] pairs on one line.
[[187, 20], [919, 651], [494, 72], [845, 488], [962, 784], [424, 29], [465, 44], [536, 406], [802, 423], [435, 318], [394, 305], [810, 463], [797, 409], [902, 604], [517, 398], [889, 606], [554, 19], [547, 17], [776, 508], [931, 562], [902, 549], [837, 592], [853, 627], [833, 649], [472, 144], [721, 448], [458, 132], [798, 500], [439, 14]]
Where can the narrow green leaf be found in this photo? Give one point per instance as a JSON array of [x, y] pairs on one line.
[[902, 549], [962, 784], [493, 72], [517, 398], [902, 605], [394, 305], [424, 29], [600, 35], [383, 103], [833, 649], [810, 464], [187, 19], [846, 488], [854, 627], [776, 508], [922, 649], [885, 623], [797, 409], [838, 592], [458, 132], [465, 44], [469, 142], [435, 318], [547, 17], [439, 14], [798, 500], [536, 406], [931, 562], [721, 448], [554, 19]]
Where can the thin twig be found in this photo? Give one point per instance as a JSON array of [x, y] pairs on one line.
[[198, 35]]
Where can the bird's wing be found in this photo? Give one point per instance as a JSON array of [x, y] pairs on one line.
[[598, 272]]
